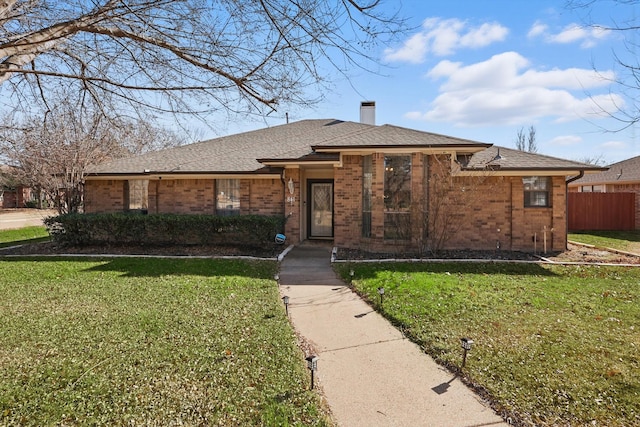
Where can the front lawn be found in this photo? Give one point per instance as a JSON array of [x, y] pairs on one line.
[[23, 235], [553, 345], [622, 240], [149, 342]]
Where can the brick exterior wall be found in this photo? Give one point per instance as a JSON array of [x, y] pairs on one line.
[[182, 196], [261, 197], [292, 207], [104, 196], [188, 196], [347, 220], [16, 198], [478, 212]]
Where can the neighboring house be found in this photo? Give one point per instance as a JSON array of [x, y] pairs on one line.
[[377, 188], [12, 193], [621, 177]]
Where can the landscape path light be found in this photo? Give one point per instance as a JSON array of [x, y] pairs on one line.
[[285, 299], [312, 364], [381, 293], [466, 343]]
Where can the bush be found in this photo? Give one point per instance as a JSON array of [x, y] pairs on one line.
[[164, 229]]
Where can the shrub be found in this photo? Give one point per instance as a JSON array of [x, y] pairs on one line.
[[163, 229]]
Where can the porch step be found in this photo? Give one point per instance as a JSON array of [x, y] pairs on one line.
[[309, 265]]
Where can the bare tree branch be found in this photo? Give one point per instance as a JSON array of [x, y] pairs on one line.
[[201, 56]]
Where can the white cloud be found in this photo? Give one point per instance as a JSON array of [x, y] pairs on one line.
[[537, 29], [572, 33], [614, 145], [442, 37], [505, 90], [504, 71], [566, 140]]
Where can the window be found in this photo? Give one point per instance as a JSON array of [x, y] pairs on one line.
[[138, 195], [367, 182], [592, 189], [537, 191], [397, 197], [227, 197]]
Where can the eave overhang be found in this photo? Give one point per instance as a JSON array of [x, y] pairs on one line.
[[493, 170], [401, 149], [159, 175], [621, 182]]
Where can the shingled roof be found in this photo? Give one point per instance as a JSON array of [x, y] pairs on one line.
[[245, 152], [316, 141], [624, 172], [507, 159]]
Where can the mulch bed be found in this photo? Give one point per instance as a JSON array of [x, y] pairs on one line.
[[575, 253], [50, 248]]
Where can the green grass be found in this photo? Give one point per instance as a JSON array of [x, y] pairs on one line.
[[553, 345], [23, 235], [149, 342], [621, 240]]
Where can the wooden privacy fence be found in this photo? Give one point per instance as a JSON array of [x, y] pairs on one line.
[[601, 211]]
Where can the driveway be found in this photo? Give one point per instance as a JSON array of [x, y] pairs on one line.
[[19, 218]]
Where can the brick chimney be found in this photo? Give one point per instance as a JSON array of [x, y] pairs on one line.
[[368, 112]]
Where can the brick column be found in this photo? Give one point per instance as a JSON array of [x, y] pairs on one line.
[[292, 207]]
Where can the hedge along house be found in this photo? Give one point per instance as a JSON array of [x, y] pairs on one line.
[[377, 188]]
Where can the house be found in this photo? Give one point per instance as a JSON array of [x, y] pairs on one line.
[[621, 177], [13, 194], [377, 188]]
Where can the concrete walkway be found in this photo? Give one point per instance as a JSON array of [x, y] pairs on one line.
[[370, 374]]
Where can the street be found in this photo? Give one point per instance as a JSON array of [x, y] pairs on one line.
[[18, 218]]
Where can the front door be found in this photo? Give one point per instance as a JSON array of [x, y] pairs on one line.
[[320, 209]]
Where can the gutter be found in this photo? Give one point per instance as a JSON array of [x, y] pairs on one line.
[[575, 178]]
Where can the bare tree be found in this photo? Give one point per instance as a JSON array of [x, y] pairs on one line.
[[184, 56], [527, 142], [627, 79], [444, 208], [595, 159], [520, 142], [52, 155]]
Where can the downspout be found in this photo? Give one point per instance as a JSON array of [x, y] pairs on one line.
[[575, 178], [566, 205]]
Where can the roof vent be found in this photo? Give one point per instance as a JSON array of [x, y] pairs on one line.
[[368, 112]]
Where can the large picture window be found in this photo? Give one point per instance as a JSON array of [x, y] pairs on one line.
[[367, 205], [227, 197], [138, 195], [397, 197], [537, 190]]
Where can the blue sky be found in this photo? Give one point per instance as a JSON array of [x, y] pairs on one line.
[[484, 69]]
